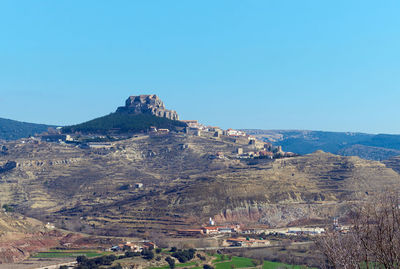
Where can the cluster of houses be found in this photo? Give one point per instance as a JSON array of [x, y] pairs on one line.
[[255, 148], [194, 125], [231, 132], [134, 247], [210, 230], [154, 130], [213, 229]]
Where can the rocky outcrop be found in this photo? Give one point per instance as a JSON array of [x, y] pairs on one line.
[[147, 104]]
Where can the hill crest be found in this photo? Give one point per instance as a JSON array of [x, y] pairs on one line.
[[138, 115]]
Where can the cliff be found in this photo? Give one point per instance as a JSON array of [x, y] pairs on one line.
[[147, 104]]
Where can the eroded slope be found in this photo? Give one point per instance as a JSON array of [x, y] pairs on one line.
[[93, 190]]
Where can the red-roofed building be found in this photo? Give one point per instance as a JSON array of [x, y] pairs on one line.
[[210, 230]]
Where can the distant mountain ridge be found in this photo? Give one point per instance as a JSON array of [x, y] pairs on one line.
[[367, 146], [13, 130]]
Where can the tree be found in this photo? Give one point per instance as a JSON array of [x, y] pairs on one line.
[[184, 255], [171, 262], [147, 254], [81, 259], [373, 239]]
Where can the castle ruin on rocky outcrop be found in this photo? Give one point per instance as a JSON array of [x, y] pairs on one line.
[[147, 104]]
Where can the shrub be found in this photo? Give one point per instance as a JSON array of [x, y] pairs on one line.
[[201, 257], [8, 208]]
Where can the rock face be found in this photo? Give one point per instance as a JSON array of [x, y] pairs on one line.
[[147, 104]]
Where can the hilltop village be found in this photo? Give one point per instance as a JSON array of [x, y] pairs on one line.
[[245, 146]]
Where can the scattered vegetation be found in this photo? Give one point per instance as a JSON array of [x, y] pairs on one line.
[[373, 239], [129, 254]]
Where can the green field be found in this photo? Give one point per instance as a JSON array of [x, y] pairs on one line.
[[275, 265], [222, 262], [237, 262], [220, 258], [57, 253]]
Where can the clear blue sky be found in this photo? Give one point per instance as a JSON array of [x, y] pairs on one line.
[[320, 65]]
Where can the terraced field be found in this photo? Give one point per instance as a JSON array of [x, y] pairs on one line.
[[55, 253], [93, 190]]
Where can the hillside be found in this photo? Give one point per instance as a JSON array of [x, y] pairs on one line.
[[13, 130], [93, 190], [138, 115], [21, 236], [367, 146], [393, 163], [122, 123]]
